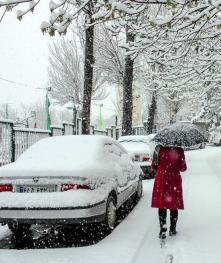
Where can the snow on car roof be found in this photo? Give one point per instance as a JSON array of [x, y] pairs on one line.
[[135, 138], [69, 146]]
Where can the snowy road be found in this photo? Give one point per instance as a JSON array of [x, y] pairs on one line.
[[135, 240]]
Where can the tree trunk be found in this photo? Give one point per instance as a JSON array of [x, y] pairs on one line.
[[88, 79], [151, 114], [128, 90], [174, 110]]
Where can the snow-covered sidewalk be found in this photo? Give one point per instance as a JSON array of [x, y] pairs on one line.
[[135, 240], [199, 229]]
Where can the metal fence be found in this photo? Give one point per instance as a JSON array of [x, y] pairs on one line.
[[6, 142], [15, 140], [23, 138]]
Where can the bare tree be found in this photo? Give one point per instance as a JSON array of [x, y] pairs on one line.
[[109, 55], [66, 72]]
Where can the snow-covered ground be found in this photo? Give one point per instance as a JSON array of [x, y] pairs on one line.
[[136, 240]]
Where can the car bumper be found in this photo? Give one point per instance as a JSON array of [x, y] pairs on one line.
[[63, 215]]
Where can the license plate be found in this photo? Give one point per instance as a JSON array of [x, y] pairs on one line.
[[37, 189]]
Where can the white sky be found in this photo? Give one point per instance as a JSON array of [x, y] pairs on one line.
[[24, 56], [24, 59]]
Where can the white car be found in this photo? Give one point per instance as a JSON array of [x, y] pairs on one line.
[[215, 136], [68, 180], [140, 148]]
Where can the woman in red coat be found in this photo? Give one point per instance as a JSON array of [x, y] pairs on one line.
[[167, 190]]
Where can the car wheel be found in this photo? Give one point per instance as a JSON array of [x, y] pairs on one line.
[[111, 215], [138, 194], [19, 228]]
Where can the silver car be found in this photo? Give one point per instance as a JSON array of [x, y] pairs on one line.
[[68, 180]]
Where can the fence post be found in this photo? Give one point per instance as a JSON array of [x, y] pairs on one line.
[[12, 142], [74, 127], [109, 132], [63, 129], [79, 126], [91, 130], [52, 131], [114, 133], [118, 132]]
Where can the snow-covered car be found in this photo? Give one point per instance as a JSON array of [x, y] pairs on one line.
[[68, 180], [201, 145], [140, 148], [215, 136]]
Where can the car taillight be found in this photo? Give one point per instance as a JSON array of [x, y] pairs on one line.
[[66, 187], [146, 158], [6, 188]]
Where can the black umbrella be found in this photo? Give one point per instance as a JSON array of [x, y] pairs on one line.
[[180, 134]]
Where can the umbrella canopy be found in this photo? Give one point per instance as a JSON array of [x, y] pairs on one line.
[[180, 134]]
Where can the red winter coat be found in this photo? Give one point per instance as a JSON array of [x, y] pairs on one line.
[[167, 190]]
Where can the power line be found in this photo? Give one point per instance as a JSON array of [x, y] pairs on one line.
[[19, 83]]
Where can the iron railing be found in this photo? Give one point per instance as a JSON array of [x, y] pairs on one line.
[[15, 140]]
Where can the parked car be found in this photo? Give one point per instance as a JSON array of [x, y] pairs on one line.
[[68, 180], [140, 149], [195, 147], [215, 136]]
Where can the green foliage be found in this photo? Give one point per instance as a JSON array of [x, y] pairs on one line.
[[152, 24], [169, 25], [171, 3], [32, 10], [19, 18], [51, 31], [9, 7], [107, 4], [60, 19]]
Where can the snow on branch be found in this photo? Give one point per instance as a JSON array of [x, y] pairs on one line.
[[31, 8], [13, 2]]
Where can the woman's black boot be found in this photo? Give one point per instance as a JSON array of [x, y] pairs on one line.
[[173, 222], [162, 233], [162, 220]]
